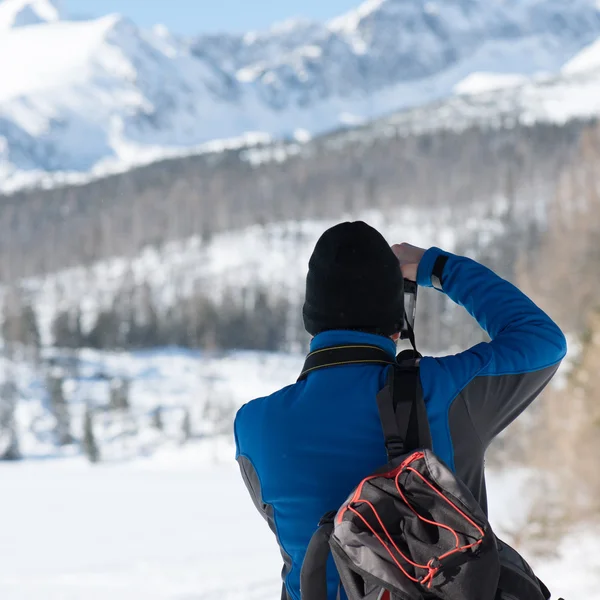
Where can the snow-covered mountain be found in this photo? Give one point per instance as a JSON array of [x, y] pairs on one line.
[[20, 13], [101, 95], [385, 42], [481, 99]]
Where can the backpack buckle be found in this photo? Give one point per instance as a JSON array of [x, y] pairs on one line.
[[395, 446], [328, 517]]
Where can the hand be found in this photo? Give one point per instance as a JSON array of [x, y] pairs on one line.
[[409, 258]]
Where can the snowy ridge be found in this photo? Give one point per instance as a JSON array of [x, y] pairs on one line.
[[478, 83], [549, 99], [587, 60], [481, 99], [84, 98], [21, 13]]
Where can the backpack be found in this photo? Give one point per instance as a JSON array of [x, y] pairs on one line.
[[411, 530]]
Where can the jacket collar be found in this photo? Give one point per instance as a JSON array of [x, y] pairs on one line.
[[340, 337]]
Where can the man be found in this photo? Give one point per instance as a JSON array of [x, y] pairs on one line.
[[303, 449]]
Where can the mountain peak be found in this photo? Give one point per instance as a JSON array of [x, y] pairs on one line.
[[588, 59], [87, 96], [21, 13]]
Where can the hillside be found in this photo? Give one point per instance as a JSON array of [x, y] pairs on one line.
[[177, 251], [374, 168]]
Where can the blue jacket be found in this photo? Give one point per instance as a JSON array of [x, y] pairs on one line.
[[304, 448]]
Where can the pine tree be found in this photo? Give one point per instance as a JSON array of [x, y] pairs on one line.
[[186, 426], [31, 332], [59, 408], [105, 334], [67, 331], [9, 437], [119, 394], [157, 419], [90, 446], [20, 330]]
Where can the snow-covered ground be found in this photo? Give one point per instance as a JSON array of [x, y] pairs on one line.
[[163, 521], [209, 387], [177, 528], [145, 531]]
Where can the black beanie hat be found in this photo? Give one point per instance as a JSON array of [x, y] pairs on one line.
[[354, 282]]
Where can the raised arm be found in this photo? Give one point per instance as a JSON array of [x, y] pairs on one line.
[[499, 379]]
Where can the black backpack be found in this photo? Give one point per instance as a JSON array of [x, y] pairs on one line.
[[411, 530]]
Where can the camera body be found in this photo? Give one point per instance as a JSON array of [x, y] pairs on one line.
[[410, 309]]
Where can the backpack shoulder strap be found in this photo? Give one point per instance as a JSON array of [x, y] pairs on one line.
[[402, 411], [401, 406], [313, 575], [405, 427], [517, 579]]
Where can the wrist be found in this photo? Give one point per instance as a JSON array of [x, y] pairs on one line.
[[431, 268]]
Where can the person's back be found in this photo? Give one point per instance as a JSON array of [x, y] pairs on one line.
[[303, 449]]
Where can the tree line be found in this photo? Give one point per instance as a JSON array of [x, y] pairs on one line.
[[560, 273], [250, 319], [42, 231], [88, 427]]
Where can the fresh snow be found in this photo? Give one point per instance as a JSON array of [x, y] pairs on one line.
[[477, 83], [42, 57], [587, 60], [21, 13], [161, 521], [178, 529], [132, 532], [174, 379]]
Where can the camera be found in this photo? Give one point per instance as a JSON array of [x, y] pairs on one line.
[[410, 309]]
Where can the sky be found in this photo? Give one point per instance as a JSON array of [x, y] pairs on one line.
[[201, 16]]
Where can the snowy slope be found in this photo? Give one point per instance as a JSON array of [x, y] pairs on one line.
[[218, 264], [20, 13], [121, 95], [90, 97], [481, 98], [587, 60], [503, 101]]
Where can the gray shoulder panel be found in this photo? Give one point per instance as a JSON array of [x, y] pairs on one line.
[[486, 406], [495, 401], [468, 451]]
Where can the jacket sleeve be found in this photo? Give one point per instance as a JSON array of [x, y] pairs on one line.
[[253, 485], [498, 379]]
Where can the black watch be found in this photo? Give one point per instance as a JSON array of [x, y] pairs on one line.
[[438, 272]]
